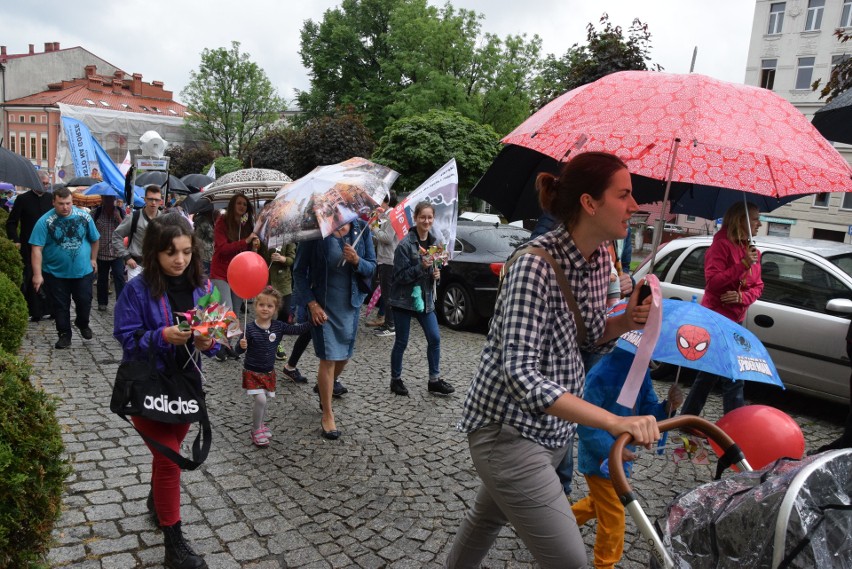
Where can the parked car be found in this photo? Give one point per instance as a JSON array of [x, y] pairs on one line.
[[801, 317], [468, 287], [672, 228]]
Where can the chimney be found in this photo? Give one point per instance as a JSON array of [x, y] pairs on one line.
[[90, 70], [157, 84], [48, 47], [116, 86], [119, 74], [2, 50], [56, 46], [136, 89], [32, 49]]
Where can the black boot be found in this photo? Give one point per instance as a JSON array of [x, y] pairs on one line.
[[179, 555], [152, 509]]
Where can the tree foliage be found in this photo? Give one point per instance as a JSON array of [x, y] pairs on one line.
[[606, 51], [388, 59], [321, 141], [230, 99], [189, 159], [417, 146], [840, 78]]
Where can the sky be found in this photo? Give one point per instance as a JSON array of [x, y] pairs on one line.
[[163, 40]]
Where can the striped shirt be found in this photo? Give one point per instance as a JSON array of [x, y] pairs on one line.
[[262, 343], [531, 356]]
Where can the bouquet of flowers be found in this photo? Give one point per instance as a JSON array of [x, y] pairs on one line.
[[212, 319]]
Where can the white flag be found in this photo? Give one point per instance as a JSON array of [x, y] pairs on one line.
[[212, 171], [125, 166]]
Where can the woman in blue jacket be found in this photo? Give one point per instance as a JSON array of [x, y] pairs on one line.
[[411, 297], [333, 292], [171, 283]]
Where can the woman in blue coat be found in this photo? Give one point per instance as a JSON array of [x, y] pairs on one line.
[[333, 292]]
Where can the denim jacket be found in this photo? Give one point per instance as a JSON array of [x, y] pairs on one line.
[[408, 272], [310, 271]]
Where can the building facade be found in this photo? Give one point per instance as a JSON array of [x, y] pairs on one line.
[[792, 46]]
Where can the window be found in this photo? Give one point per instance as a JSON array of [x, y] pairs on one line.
[[805, 72], [776, 17], [767, 73], [814, 20], [691, 270], [33, 148], [22, 144], [91, 102], [847, 201], [125, 106], [821, 200], [21, 118], [12, 141], [778, 229], [846, 16], [44, 148], [32, 118], [104, 103], [43, 119]]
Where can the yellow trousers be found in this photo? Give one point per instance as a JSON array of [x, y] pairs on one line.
[[603, 503]]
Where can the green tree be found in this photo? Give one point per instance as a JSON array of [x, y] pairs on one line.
[[189, 159], [274, 151], [841, 74], [606, 51], [388, 59], [230, 100], [417, 146]]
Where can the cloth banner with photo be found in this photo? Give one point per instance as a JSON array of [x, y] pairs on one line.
[[442, 191]]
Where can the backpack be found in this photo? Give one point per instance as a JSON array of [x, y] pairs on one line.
[[134, 222]]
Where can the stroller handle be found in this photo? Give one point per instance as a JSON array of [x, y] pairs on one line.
[[616, 469]]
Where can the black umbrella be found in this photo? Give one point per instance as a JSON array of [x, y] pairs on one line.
[[196, 203], [17, 170], [509, 185], [834, 120], [159, 178], [196, 181], [82, 181]]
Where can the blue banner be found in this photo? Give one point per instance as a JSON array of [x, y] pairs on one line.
[[109, 169], [80, 145]]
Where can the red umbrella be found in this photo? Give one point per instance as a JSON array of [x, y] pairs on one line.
[[690, 128]]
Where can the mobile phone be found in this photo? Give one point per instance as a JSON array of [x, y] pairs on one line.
[[644, 292]]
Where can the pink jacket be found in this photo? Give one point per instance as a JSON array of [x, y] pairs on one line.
[[724, 271]]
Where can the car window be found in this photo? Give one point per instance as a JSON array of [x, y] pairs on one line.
[[664, 263], [792, 281], [691, 270], [499, 241], [843, 262]]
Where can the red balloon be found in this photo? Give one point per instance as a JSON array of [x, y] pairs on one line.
[[763, 433], [247, 274]]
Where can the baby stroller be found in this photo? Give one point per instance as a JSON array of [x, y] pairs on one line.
[[792, 514]]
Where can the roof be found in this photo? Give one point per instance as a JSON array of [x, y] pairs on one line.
[[100, 93]]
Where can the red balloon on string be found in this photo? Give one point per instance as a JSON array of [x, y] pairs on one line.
[[247, 274], [763, 433]]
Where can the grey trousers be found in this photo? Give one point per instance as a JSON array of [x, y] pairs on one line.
[[519, 486]]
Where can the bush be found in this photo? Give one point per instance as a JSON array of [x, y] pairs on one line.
[[11, 263], [32, 468], [13, 315]]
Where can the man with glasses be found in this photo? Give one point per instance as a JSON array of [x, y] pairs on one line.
[[133, 228]]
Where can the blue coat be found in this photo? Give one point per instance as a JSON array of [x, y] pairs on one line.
[[408, 272], [310, 270], [136, 310], [603, 385]]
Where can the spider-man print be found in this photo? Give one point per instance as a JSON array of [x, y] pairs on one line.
[[68, 233], [692, 341]]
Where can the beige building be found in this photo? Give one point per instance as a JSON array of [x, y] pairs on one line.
[[792, 45]]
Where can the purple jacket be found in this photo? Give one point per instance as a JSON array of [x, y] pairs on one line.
[[137, 310]]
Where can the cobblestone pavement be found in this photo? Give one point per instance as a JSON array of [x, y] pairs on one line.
[[389, 493]]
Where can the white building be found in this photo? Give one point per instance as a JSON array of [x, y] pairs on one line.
[[792, 45]]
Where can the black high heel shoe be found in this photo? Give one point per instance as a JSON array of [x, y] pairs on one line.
[[330, 435]]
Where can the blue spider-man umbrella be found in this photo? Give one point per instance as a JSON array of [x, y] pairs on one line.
[[696, 337]]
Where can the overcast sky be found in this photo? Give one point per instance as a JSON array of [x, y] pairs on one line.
[[163, 40]]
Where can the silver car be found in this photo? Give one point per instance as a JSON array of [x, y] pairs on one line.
[[802, 316]]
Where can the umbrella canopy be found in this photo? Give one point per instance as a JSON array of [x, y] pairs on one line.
[[509, 185], [159, 178], [6, 186], [17, 170], [834, 120], [696, 337], [327, 198], [81, 181], [704, 130], [196, 181], [103, 189], [196, 203], [249, 180]]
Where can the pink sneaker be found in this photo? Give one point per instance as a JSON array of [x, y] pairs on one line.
[[266, 430], [259, 438]]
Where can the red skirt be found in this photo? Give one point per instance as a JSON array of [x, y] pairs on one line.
[[255, 382]]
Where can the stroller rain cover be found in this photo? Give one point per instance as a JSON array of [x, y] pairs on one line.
[[731, 523]]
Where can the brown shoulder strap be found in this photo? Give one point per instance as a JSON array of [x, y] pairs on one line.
[[561, 279]]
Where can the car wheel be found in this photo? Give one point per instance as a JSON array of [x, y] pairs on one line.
[[457, 307]]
